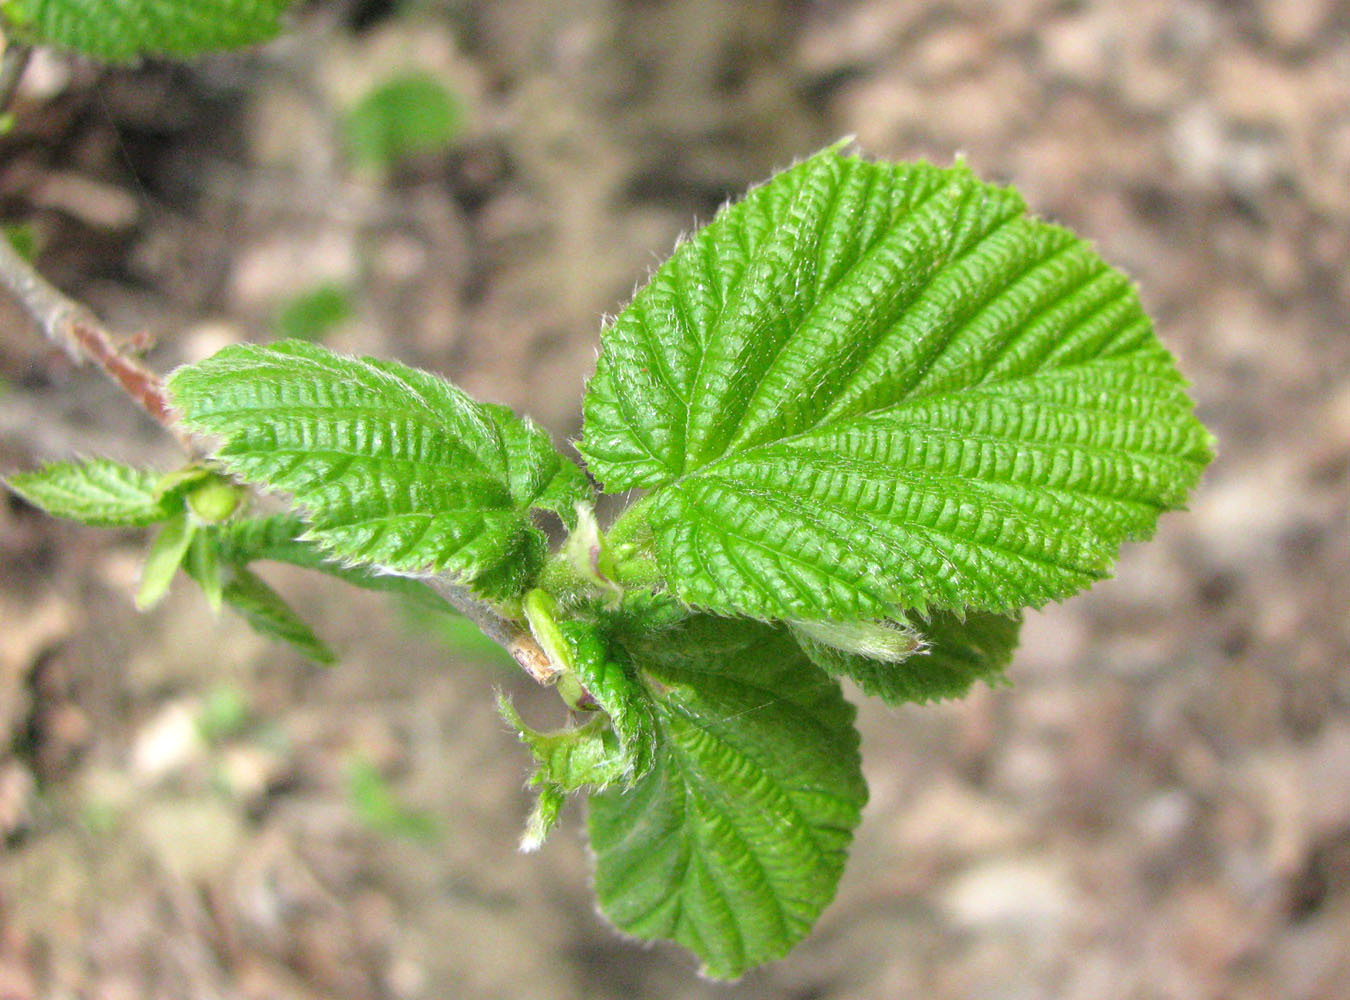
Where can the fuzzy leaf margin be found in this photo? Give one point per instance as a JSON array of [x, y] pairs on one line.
[[873, 385], [97, 492], [393, 467], [734, 842], [956, 651]]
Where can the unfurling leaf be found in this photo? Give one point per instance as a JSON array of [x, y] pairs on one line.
[[617, 745], [734, 842], [871, 385], [97, 492], [395, 468], [162, 561], [267, 613], [887, 641], [953, 653]]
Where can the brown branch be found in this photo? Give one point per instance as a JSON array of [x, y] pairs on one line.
[[85, 340], [12, 64], [527, 653]]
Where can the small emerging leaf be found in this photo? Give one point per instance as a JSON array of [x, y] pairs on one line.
[[953, 655], [734, 842], [570, 759], [203, 565], [97, 492], [396, 468], [162, 561], [617, 745], [267, 613]]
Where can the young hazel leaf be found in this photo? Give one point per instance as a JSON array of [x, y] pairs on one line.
[[98, 492], [734, 842], [395, 468], [869, 385], [123, 30], [267, 613], [954, 655], [280, 538], [607, 676], [166, 555], [203, 565]]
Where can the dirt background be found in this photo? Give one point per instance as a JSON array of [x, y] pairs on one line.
[[1159, 806]]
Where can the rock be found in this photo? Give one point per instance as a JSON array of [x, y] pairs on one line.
[[1294, 24], [169, 743], [1078, 49], [950, 819], [1031, 895], [16, 800], [193, 839]]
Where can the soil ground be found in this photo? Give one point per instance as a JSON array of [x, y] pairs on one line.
[[1159, 806]]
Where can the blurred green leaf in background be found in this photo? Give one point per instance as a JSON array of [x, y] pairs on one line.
[[314, 313], [407, 115]]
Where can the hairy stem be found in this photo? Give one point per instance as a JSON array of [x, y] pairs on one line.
[[85, 340], [78, 332], [12, 64], [510, 636]]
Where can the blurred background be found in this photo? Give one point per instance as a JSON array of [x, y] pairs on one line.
[[1159, 806]]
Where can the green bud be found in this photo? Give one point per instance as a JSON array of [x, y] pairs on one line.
[[215, 500], [888, 641]]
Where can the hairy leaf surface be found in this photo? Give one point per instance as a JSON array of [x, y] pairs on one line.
[[98, 492], [734, 842], [123, 30], [956, 653], [281, 538], [607, 675], [395, 468], [869, 385]]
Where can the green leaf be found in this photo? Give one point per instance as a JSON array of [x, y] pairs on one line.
[[279, 538], [98, 492], [22, 236], [380, 809], [203, 565], [123, 30], [734, 842], [267, 613], [954, 655], [616, 744], [313, 314], [869, 385], [608, 677], [396, 468], [166, 555], [407, 115]]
